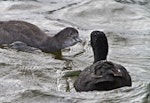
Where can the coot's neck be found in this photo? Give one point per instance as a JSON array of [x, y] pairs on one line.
[[100, 51]]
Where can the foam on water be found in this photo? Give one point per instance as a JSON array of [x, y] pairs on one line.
[[39, 77]]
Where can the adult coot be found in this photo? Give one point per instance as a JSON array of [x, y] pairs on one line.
[[102, 74], [20, 33]]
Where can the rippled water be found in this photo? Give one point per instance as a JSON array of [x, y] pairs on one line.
[[40, 78]]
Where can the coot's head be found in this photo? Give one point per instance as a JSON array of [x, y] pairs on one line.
[[99, 44], [68, 37]]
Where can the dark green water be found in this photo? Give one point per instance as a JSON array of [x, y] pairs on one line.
[[40, 78]]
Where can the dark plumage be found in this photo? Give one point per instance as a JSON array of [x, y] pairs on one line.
[[31, 35], [102, 75], [99, 45]]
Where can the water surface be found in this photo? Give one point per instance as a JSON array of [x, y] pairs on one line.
[[40, 78]]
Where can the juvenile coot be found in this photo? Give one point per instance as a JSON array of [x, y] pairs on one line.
[[102, 74], [31, 35]]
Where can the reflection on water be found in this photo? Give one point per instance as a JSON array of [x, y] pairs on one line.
[[43, 78]]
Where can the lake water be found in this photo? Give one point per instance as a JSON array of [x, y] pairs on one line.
[[40, 78]]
